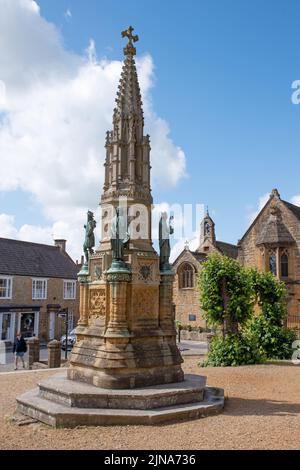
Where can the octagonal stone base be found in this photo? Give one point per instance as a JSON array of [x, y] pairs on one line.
[[61, 402]]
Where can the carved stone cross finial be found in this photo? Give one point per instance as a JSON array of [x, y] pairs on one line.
[[130, 49]]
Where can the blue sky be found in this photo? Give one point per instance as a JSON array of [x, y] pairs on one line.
[[223, 75]]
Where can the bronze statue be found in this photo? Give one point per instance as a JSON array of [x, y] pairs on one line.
[[89, 241], [165, 230], [119, 235]]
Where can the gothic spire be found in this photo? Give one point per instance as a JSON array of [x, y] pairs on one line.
[[128, 101], [127, 165]]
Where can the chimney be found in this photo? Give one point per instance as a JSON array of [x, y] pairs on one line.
[[61, 244], [81, 261]]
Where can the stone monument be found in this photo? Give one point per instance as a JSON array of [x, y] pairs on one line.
[[125, 366]]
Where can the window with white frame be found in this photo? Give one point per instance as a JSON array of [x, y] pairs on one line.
[[69, 290], [5, 287], [39, 289]]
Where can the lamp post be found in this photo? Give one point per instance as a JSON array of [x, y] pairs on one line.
[[64, 313]]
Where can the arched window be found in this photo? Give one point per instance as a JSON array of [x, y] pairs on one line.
[[186, 276], [273, 263], [284, 265]]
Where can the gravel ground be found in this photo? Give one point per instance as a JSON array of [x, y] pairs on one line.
[[262, 412]]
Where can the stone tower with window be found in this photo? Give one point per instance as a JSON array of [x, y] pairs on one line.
[[207, 234], [187, 266]]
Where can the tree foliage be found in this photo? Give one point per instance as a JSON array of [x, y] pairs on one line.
[[274, 341], [225, 291], [267, 327], [271, 296], [228, 294], [234, 350]]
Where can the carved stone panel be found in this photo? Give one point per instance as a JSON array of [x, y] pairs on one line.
[[96, 268], [146, 269], [145, 272], [145, 307], [97, 307]]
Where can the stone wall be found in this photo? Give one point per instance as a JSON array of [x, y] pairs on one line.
[[186, 303], [186, 335], [187, 300]]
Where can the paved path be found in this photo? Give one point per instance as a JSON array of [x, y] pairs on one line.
[[7, 360], [192, 348]]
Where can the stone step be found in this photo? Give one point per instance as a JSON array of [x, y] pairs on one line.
[[57, 415], [71, 393]]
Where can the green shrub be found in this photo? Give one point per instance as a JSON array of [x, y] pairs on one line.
[[274, 340], [233, 350], [228, 293]]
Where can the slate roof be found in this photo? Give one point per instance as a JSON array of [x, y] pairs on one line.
[[34, 259], [200, 257], [293, 208], [274, 232], [227, 249]]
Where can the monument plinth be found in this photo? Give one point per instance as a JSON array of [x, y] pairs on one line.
[[125, 366]]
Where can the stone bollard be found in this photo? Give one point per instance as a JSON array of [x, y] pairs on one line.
[[2, 353], [33, 351], [54, 354]]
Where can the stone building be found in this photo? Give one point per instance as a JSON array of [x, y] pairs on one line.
[[272, 243], [187, 266], [35, 282]]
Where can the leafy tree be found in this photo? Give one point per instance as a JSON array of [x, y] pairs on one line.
[[271, 296], [228, 294], [225, 293], [274, 339]]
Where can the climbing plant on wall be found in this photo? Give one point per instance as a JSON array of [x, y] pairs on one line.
[[228, 294], [274, 339], [225, 293]]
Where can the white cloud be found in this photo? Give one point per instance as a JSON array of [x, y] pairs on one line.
[[73, 231], [186, 224], [57, 108], [261, 204], [91, 52], [193, 244], [296, 200], [7, 226], [68, 14]]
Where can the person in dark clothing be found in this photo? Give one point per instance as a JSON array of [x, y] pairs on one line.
[[20, 348]]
